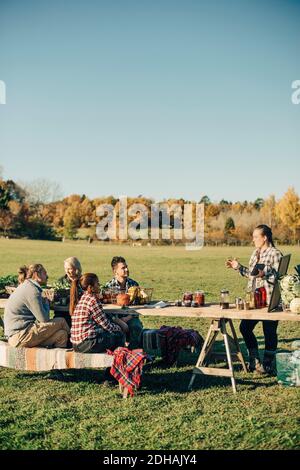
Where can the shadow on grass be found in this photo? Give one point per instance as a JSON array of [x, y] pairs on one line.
[[178, 382], [157, 380]]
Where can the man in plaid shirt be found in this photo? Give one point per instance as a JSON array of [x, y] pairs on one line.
[[121, 282], [269, 256]]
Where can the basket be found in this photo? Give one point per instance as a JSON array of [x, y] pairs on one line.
[[143, 296], [148, 292]]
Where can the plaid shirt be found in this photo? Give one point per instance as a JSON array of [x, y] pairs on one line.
[[114, 284], [270, 258], [89, 320]]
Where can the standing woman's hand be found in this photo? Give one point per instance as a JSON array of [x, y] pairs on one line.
[[232, 264]]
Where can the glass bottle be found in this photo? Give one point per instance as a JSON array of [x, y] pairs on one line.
[[224, 299]]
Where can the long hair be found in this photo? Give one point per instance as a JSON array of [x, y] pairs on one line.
[[266, 232], [87, 280], [75, 263]]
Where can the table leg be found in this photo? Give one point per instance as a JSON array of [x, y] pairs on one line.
[[237, 345], [228, 353], [201, 355], [216, 327]]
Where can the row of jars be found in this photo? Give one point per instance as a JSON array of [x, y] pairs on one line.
[[257, 299], [192, 299]]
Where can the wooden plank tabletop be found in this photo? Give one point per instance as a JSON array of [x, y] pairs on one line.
[[209, 311]]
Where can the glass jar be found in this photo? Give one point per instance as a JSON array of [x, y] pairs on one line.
[[239, 303], [224, 299], [249, 298], [187, 299], [199, 298]]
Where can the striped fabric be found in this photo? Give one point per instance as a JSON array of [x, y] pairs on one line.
[[151, 341], [44, 359]]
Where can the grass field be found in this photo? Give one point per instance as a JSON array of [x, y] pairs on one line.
[[40, 412]]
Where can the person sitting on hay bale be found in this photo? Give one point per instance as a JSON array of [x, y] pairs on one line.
[[121, 282], [73, 272], [92, 331], [26, 315]]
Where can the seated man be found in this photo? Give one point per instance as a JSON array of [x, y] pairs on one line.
[[122, 282], [26, 315]]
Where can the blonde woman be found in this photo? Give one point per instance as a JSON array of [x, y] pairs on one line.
[[73, 272]]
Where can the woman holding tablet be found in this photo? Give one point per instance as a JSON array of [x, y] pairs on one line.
[[261, 272]]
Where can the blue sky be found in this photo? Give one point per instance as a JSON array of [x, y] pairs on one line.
[[161, 98]]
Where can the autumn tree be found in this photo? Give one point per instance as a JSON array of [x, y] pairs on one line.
[[288, 209], [268, 211], [72, 220]]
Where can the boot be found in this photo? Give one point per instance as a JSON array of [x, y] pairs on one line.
[[269, 363], [254, 360]]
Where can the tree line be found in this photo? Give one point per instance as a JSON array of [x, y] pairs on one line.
[[38, 211]]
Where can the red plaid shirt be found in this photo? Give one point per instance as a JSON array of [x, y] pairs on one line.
[[89, 320]]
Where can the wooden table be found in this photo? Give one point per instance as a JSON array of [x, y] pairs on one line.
[[220, 320]]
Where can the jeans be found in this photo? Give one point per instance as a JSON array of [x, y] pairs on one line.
[[270, 334], [134, 337], [101, 343], [135, 333]]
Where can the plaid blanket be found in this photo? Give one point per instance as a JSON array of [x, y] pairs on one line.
[[44, 359], [127, 367], [173, 339]]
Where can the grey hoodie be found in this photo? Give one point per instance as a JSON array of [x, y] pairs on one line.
[[24, 307]]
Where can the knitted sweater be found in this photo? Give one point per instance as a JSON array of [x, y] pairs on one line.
[[24, 307]]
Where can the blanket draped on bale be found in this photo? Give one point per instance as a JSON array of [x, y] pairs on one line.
[[127, 367], [45, 359]]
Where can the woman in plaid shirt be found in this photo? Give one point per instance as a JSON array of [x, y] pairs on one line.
[[91, 329], [265, 253]]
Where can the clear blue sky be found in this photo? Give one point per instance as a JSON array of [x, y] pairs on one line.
[[161, 98]]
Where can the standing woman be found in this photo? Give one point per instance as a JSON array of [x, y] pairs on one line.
[[266, 254], [73, 272]]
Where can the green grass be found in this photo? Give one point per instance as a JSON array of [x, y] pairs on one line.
[[39, 412]]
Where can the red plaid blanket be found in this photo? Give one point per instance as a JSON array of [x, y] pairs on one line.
[[127, 367]]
